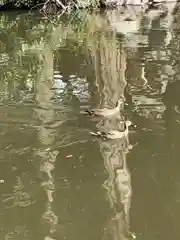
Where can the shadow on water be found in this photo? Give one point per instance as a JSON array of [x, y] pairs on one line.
[[58, 182]]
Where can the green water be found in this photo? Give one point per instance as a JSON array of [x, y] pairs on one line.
[[58, 182]]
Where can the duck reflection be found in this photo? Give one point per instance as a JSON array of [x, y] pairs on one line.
[[119, 192]]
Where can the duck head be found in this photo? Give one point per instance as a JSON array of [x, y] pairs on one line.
[[129, 123]]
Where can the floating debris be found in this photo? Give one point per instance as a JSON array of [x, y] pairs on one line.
[[69, 156]]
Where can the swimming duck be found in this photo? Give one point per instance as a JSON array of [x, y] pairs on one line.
[[105, 112], [114, 134]]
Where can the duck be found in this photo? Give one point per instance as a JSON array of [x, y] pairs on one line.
[[105, 112], [114, 134]]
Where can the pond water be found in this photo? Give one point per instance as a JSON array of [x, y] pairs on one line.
[[56, 180]]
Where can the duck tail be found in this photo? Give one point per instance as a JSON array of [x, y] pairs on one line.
[[97, 134], [88, 112]]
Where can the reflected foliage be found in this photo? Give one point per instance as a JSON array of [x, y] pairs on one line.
[[52, 171], [22, 51]]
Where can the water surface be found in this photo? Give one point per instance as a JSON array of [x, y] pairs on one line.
[[57, 181]]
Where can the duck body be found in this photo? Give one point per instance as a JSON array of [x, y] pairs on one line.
[[113, 134], [105, 112]]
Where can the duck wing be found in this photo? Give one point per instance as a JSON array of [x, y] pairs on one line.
[[89, 112], [97, 112], [114, 134], [108, 135], [100, 134]]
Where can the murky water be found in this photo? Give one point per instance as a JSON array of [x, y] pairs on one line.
[[56, 180]]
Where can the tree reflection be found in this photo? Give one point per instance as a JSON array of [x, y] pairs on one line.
[[146, 71], [110, 78]]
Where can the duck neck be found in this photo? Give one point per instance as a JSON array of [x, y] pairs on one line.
[[118, 105], [126, 131]]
